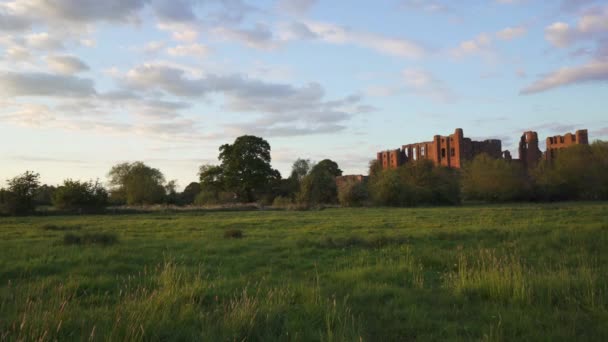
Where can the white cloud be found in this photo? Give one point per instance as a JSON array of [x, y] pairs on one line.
[[511, 33], [592, 25], [43, 41], [594, 71], [44, 84], [335, 34], [66, 65], [560, 34], [195, 50], [474, 46], [424, 83], [296, 7]]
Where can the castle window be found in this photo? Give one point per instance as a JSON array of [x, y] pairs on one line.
[[422, 151], [561, 139], [443, 153], [453, 152]]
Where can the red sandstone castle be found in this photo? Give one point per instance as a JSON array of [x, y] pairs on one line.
[[455, 149]]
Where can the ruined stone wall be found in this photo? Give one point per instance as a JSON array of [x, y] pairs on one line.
[[558, 142], [391, 159], [448, 151], [529, 153]]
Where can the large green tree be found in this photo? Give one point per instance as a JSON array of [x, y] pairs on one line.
[[246, 169], [18, 198], [319, 186], [137, 183]]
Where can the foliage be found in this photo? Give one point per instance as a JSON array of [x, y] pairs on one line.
[[136, 183], [327, 165], [18, 197], [77, 195], [245, 167], [44, 195], [416, 183], [319, 186], [300, 168], [578, 172], [353, 193], [189, 194], [494, 180], [171, 195]]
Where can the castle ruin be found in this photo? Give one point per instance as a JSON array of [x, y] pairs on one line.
[[448, 151], [453, 150]]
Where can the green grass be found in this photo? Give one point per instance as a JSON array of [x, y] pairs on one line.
[[491, 273]]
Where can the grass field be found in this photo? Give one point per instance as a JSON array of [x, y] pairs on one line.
[[492, 273]]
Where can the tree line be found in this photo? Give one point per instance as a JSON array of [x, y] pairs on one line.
[[244, 175]]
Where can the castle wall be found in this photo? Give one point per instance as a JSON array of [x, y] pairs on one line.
[[449, 151], [558, 142]]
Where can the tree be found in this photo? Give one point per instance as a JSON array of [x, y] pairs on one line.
[[300, 168], [319, 186], [578, 172], [352, 193], [415, 183], [77, 195], [44, 195], [328, 166], [246, 169], [137, 183], [18, 198], [211, 184], [189, 194], [494, 180], [171, 196]]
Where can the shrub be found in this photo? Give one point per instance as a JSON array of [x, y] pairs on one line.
[[494, 180], [415, 183], [18, 198], [104, 239], [282, 202], [353, 193], [59, 228], [76, 195], [233, 234]]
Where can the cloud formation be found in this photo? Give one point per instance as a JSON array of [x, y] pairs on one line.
[[591, 72], [44, 84], [66, 64]]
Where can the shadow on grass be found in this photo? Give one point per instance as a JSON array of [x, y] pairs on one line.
[[103, 239]]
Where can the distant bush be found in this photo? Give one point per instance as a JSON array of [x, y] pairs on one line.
[[77, 195], [18, 197], [59, 228], [577, 173], [104, 239], [206, 197], [282, 202], [233, 234], [494, 180], [416, 183], [353, 193]]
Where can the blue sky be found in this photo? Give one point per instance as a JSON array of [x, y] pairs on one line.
[[85, 84]]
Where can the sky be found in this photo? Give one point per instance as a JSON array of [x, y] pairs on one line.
[[87, 84]]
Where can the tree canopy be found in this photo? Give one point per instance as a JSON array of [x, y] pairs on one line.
[[245, 167], [137, 183]]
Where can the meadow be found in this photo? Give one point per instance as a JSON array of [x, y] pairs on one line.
[[529, 272]]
